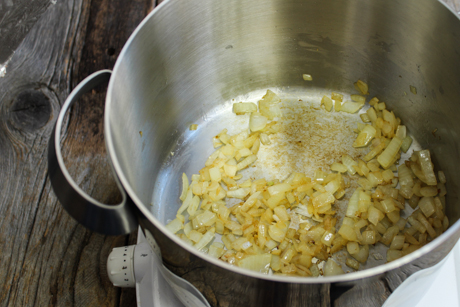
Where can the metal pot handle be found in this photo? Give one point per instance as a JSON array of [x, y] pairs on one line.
[[106, 219]]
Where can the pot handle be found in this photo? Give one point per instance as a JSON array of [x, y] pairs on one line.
[[106, 219]]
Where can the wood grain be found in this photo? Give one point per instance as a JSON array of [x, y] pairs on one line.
[[47, 259]]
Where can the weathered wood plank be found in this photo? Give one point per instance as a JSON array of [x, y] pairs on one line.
[[16, 19], [47, 258]]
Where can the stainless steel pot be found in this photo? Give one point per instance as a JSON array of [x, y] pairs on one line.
[[185, 63]]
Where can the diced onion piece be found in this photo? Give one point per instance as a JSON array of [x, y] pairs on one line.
[[424, 160], [175, 225], [427, 205], [352, 263], [241, 243], [338, 106], [277, 233], [349, 162], [185, 185], [368, 237], [351, 107], [413, 89], [269, 106], [406, 191], [215, 250], [380, 106], [374, 152], [338, 167], [302, 210], [333, 186], [193, 205], [257, 121], [281, 212], [362, 87], [352, 247], [365, 136], [273, 201], [327, 238], [279, 188], [389, 235], [393, 254], [352, 207], [375, 215], [258, 263], [401, 132], [244, 107], [264, 139], [230, 170], [429, 191], [331, 268], [388, 205], [324, 199], [358, 98], [405, 176], [207, 218], [327, 103], [371, 114], [206, 239], [215, 174], [347, 233], [186, 202], [246, 162], [407, 141], [397, 242], [365, 118], [240, 193], [307, 77], [337, 96], [363, 254], [373, 101], [387, 175], [386, 158]]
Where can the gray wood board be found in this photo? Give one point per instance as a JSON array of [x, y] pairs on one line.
[[47, 258]]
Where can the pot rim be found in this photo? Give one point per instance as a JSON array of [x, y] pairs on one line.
[[348, 277]]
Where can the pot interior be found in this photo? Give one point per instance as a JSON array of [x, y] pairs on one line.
[[186, 64]]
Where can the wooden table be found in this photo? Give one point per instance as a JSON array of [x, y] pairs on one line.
[[46, 258]]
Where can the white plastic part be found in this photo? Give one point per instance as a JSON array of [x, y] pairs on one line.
[[120, 266], [435, 286], [159, 286]]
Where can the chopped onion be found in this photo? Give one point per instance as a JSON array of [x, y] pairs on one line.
[[269, 105], [386, 158], [244, 107], [407, 141], [365, 136], [362, 87], [264, 139], [352, 207], [424, 159], [331, 268], [351, 107], [175, 225], [240, 193], [185, 184], [349, 162], [258, 263], [337, 97], [327, 103], [257, 121]]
